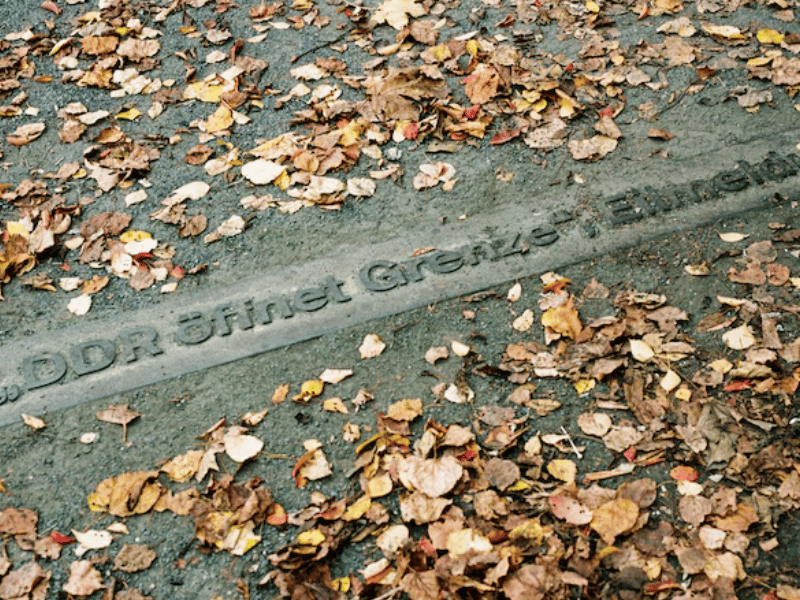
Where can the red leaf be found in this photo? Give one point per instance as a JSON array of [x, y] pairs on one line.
[[51, 7], [411, 131], [654, 588], [608, 111], [60, 538], [630, 454], [466, 455], [504, 136], [276, 515], [738, 386], [684, 473], [426, 546], [472, 112]]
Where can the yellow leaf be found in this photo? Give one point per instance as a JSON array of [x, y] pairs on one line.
[[442, 52], [134, 235], [220, 120], [519, 486], [563, 469], [592, 7], [769, 36], [182, 468], [340, 585], [128, 115], [563, 320], [356, 510], [530, 530], [205, 91], [17, 228], [312, 537], [584, 385], [310, 389], [472, 47], [379, 486], [283, 181], [405, 410], [335, 405]]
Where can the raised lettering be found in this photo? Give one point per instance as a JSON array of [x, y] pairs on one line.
[[193, 328], [381, 276], [444, 261], [511, 245], [480, 251], [143, 339], [43, 369], [310, 299], [334, 289], [560, 217], [752, 171], [410, 269], [543, 235], [240, 313], [265, 308], [777, 168], [622, 209], [731, 181], [90, 357]]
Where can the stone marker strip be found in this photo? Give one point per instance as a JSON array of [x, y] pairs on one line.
[[97, 359]]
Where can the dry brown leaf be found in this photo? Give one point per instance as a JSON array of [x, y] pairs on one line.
[[597, 424], [18, 584], [371, 347], [133, 558], [614, 518], [405, 410], [421, 585], [570, 510], [435, 353], [433, 477], [182, 468], [84, 579]]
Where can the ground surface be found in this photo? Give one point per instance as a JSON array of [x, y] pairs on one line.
[[700, 475]]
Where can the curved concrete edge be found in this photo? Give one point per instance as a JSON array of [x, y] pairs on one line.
[[93, 360]]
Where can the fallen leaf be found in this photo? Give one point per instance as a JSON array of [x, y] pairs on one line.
[[133, 558], [241, 447], [25, 134], [614, 518], [563, 469], [739, 338], [570, 510], [371, 347], [34, 423], [397, 12], [84, 579], [433, 477]]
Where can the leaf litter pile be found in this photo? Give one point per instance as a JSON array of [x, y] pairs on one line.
[[671, 477], [402, 75]]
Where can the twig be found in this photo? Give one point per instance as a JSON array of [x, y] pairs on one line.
[[318, 47], [389, 594], [571, 443]]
